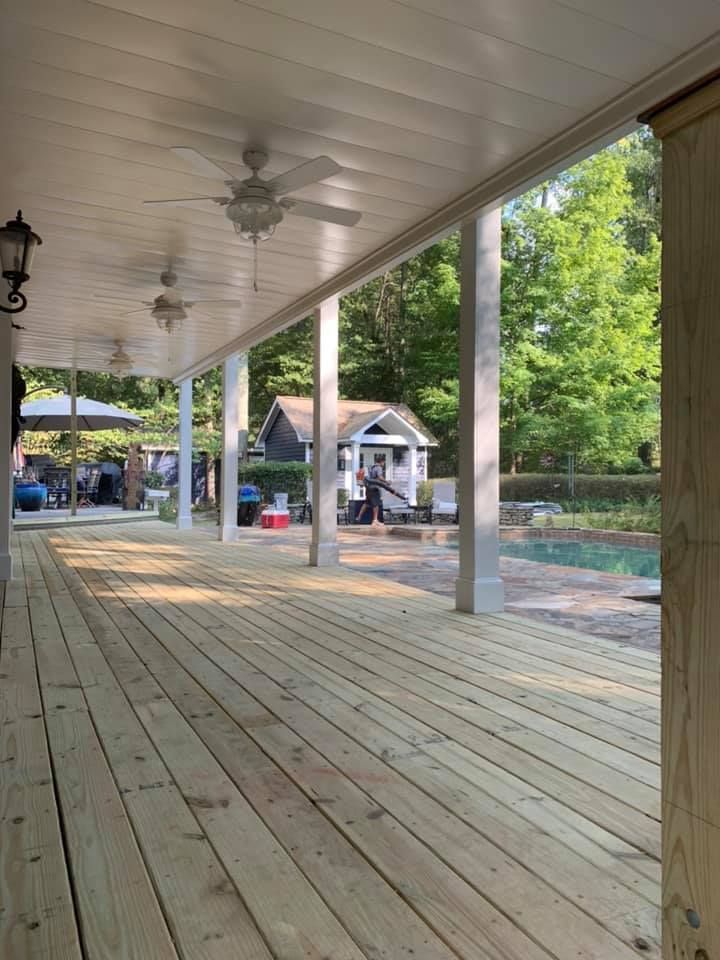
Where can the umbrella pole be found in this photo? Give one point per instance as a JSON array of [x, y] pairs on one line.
[[73, 442]]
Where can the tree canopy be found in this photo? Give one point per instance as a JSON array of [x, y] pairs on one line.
[[580, 338]]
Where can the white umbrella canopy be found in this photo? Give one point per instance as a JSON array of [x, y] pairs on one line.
[[53, 415]]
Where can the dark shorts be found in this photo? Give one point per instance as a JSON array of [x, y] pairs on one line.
[[373, 496]]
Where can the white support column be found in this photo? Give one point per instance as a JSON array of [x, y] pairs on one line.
[[73, 443], [347, 459], [412, 482], [228, 517], [355, 468], [323, 547], [479, 588], [243, 396], [184, 511], [6, 412]]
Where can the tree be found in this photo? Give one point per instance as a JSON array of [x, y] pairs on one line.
[[579, 338]]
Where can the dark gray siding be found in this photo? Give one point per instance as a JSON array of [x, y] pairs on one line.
[[282, 443], [376, 428]]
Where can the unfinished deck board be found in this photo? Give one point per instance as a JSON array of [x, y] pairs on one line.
[[471, 826], [635, 828], [37, 915], [531, 737], [136, 582], [206, 916]]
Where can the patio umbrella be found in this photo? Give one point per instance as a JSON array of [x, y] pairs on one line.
[[73, 413], [54, 415]]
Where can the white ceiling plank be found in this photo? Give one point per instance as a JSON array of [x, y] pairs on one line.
[[298, 42], [151, 129], [667, 21], [123, 79], [554, 28], [287, 87], [413, 33]]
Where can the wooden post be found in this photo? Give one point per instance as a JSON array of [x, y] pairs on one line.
[[183, 520], [690, 130], [323, 547], [479, 588], [73, 442], [6, 413]]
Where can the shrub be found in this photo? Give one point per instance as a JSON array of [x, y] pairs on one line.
[[154, 480], [424, 493], [588, 488], [342, 497], [272, 478], [637, 518]]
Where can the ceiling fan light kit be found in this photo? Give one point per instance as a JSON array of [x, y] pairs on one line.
[[255, 206]]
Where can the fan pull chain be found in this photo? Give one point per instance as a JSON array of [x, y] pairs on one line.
[[255, 264]]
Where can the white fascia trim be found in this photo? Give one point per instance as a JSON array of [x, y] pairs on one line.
[[602, 127]]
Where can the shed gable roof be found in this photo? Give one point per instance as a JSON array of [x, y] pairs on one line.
[[353, 415]]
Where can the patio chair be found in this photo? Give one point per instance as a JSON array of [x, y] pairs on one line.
[[92, 485], [395, 507], [57, 481], [443, 501]]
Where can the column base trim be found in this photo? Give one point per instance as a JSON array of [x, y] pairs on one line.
[[228, 534], [485, 595], [183, 523], [324, 554], [6, 566]]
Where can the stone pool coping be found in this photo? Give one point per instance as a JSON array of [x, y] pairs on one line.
[[439, 535]]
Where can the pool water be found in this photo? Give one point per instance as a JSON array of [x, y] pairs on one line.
[[589, 554]]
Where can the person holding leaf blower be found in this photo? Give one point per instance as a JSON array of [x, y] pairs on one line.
[[374, 484]]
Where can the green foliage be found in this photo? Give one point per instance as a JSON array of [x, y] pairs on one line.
[[154, 480], [342, 497], [424, 493], [272, 478], [580, 340], [637, 518], [591, 489]]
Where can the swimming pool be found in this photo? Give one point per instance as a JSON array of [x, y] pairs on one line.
[[588, 554]]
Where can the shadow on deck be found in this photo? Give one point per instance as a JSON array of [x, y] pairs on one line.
[[212, 751]]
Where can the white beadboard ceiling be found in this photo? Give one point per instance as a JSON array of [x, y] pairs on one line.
[[434, 109]]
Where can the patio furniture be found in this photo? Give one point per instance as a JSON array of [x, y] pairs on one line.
[[57, 481], [90, 491], [155, 496], [443, 502]]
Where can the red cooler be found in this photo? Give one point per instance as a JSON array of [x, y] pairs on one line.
[[275, 519]]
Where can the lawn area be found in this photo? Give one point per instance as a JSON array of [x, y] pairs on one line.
[[634, 518]]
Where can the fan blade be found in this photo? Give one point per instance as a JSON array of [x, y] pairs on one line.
[[100, 296], [311, 172], [187, 202], [133, 312], [236, 303], [201, 164], [319, 211]]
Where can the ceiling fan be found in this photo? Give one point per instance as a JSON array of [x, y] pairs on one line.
[[256, 206], [120, 362], [169, 309]]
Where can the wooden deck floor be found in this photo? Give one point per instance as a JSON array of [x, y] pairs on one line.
[[213, 752]]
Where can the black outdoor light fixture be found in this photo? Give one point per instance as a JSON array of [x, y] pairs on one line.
[[17, 249]]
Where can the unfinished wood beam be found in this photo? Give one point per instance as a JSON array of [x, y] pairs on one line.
[[690, 130]]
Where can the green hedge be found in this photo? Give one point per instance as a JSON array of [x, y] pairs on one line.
[[274, 478], [554, 487]]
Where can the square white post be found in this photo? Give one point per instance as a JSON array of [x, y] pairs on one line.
[[228, 505], [348, 479], [412, 482], [6, 412], [355, 466], [243, 406], [184, 512], [479, 588], [323, 547]]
